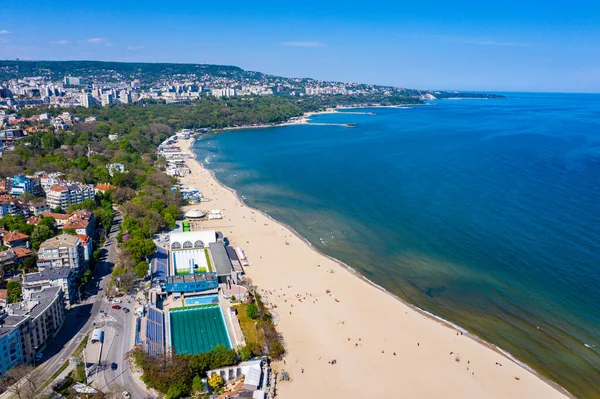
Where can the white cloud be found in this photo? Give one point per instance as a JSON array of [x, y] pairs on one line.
[[61, 42], [135, 47], [96, 40], [303, 44], [4, 32]]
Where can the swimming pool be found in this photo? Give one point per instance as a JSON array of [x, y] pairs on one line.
[[201, 300]]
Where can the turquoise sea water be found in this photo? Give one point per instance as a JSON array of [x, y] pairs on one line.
[[484, 212]]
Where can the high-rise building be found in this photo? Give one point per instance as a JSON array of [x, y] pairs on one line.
[[86, 100], [72, 81], [124, 97], [107, 99]]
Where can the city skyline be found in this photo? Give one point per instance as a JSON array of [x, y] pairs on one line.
[[519, 47]]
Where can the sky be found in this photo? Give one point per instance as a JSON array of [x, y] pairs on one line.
[[448, 45]]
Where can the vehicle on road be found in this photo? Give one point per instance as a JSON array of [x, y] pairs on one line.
[[126, 310], [126, 395], [116, 301], [113, 366], [117, 307]]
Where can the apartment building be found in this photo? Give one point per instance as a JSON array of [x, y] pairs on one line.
[[38, 320], [62, 251], [11, 347], [62, 277], [65, 194]]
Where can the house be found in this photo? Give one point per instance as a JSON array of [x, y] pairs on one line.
[[15, 239], [34, 220], [3, 299], [60, 218], [104, 187], [115, 168], [39, 208], [82, 221]]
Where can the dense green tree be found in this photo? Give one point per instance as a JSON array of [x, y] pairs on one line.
[[141, 269], [40, 234], [197, 385], [14, 291]]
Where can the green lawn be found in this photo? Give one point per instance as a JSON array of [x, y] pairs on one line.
[[248, 328]]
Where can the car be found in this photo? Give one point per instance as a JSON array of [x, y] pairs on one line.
[[126, 395], [116, 301], [117, 307], [113, 366], [126, 310]]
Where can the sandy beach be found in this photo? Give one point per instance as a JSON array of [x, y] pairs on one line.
[[382, 347]]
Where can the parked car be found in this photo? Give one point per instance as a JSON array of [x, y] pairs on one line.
[[113, 366], [117, 307], [126, 395], [116, 301], [125, 310]]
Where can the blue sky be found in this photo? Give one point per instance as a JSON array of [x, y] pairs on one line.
[[483, 45]]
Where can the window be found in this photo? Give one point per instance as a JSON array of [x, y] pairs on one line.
[[176, 245], [198, 244], [187, 244]]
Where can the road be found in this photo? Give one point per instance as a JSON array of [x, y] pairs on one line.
[[83, 317]]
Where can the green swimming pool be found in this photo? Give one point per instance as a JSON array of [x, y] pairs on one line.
[[197, 329]]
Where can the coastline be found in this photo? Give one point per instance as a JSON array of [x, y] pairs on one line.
[[358, 304]]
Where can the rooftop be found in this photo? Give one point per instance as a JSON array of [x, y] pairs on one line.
[[220, 258], [14, 236], [63, 240], [51, 273]]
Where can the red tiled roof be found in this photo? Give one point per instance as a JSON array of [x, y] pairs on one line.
[[104, 187], [3, 294], [58, 188], [75, 224], [83, 237], [14, 236], [56, 215], [21, 252], [34, 220]]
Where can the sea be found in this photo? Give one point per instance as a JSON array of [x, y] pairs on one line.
[[485, 213]]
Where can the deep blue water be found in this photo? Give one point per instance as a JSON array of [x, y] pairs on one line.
[[484, 212]]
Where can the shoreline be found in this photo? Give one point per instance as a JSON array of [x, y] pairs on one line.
[[448, 325], [304, 118]]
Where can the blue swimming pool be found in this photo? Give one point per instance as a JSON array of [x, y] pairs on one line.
[[201, 300]]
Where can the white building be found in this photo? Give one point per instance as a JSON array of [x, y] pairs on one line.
[[107, 99], [115, 168], [65, 194]]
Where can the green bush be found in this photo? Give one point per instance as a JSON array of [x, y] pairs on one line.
[[252, 311]]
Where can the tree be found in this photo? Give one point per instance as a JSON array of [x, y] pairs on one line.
[[176, 390], [40, 234], [197, 385], [29, 264], [70, 232], [215, 381], [58, 209], [245, 353], [14, 291], [141, 269], [252, 311], [20, 382]]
